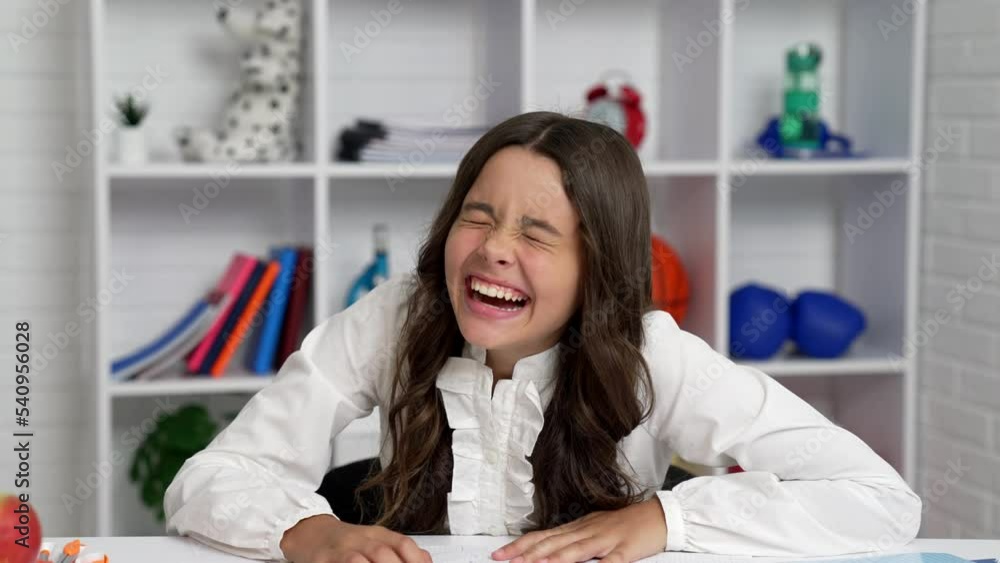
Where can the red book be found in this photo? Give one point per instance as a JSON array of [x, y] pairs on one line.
[[231, 284], [291, 331]]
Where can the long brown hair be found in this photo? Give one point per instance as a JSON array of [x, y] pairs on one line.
[[601, 376]]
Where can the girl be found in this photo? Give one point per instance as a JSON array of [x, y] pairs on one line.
[[527, 386]]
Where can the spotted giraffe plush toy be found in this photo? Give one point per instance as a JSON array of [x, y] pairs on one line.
[[260, 117]]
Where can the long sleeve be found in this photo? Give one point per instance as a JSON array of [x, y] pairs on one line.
[[258, 477], [810, 487]]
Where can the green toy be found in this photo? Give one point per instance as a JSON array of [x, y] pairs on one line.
[[800, 122]]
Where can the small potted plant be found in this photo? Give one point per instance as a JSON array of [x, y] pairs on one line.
[[131, 137]]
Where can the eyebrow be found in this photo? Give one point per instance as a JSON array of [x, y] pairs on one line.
[[526, 221]]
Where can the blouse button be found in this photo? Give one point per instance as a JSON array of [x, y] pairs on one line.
[[491, 457]]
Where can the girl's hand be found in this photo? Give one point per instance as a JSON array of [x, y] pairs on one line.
[[618, 536], [325, 539]]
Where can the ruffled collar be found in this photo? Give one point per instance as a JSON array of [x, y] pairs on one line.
[[539, 367]]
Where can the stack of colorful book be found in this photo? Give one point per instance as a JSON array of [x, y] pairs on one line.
[[260, 300]]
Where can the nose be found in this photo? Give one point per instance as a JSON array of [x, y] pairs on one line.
[[497, 248]]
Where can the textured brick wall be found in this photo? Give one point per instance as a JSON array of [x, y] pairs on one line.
[[959, 417]]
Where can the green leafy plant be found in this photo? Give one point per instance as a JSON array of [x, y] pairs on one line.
[[130, 111], [174, 439]]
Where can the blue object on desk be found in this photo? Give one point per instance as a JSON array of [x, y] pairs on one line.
[[922, 557]]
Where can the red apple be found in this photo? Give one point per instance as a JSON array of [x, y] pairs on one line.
[[20, 531]]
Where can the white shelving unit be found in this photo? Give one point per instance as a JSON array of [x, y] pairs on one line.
[[731, 216]]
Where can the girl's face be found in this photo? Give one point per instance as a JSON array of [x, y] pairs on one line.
[[513, 258]]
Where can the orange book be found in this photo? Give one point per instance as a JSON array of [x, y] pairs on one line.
[[257, 298]]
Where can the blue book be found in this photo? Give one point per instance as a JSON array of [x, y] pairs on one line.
[[125, 366], [234, 314], [261, 357]]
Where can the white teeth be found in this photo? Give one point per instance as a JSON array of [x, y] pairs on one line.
[[496, 291]]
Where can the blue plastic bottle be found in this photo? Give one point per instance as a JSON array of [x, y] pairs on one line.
[[376, 272]]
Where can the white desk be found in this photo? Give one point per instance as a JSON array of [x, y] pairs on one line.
[[171, 549]]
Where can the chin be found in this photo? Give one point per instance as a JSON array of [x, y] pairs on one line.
[[480, 333]]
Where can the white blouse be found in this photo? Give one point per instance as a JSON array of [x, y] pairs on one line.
[[809, 487]]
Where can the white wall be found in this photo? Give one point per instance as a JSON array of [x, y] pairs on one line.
[[41, 224], [960, 353]]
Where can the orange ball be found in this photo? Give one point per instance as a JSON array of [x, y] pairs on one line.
[[671, 291]]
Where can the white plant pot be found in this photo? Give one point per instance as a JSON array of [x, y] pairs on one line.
[[131, 145]]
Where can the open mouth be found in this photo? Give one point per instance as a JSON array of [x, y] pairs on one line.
[[496, 296]]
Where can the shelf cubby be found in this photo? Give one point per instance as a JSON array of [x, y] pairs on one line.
[[133, 420], [683, 214], [651, 42], [190, 82], [447, 62], [823, 242], [167, 257], [866, 70]]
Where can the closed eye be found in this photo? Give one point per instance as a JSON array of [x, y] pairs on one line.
[[537, 241], [481, 223]]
